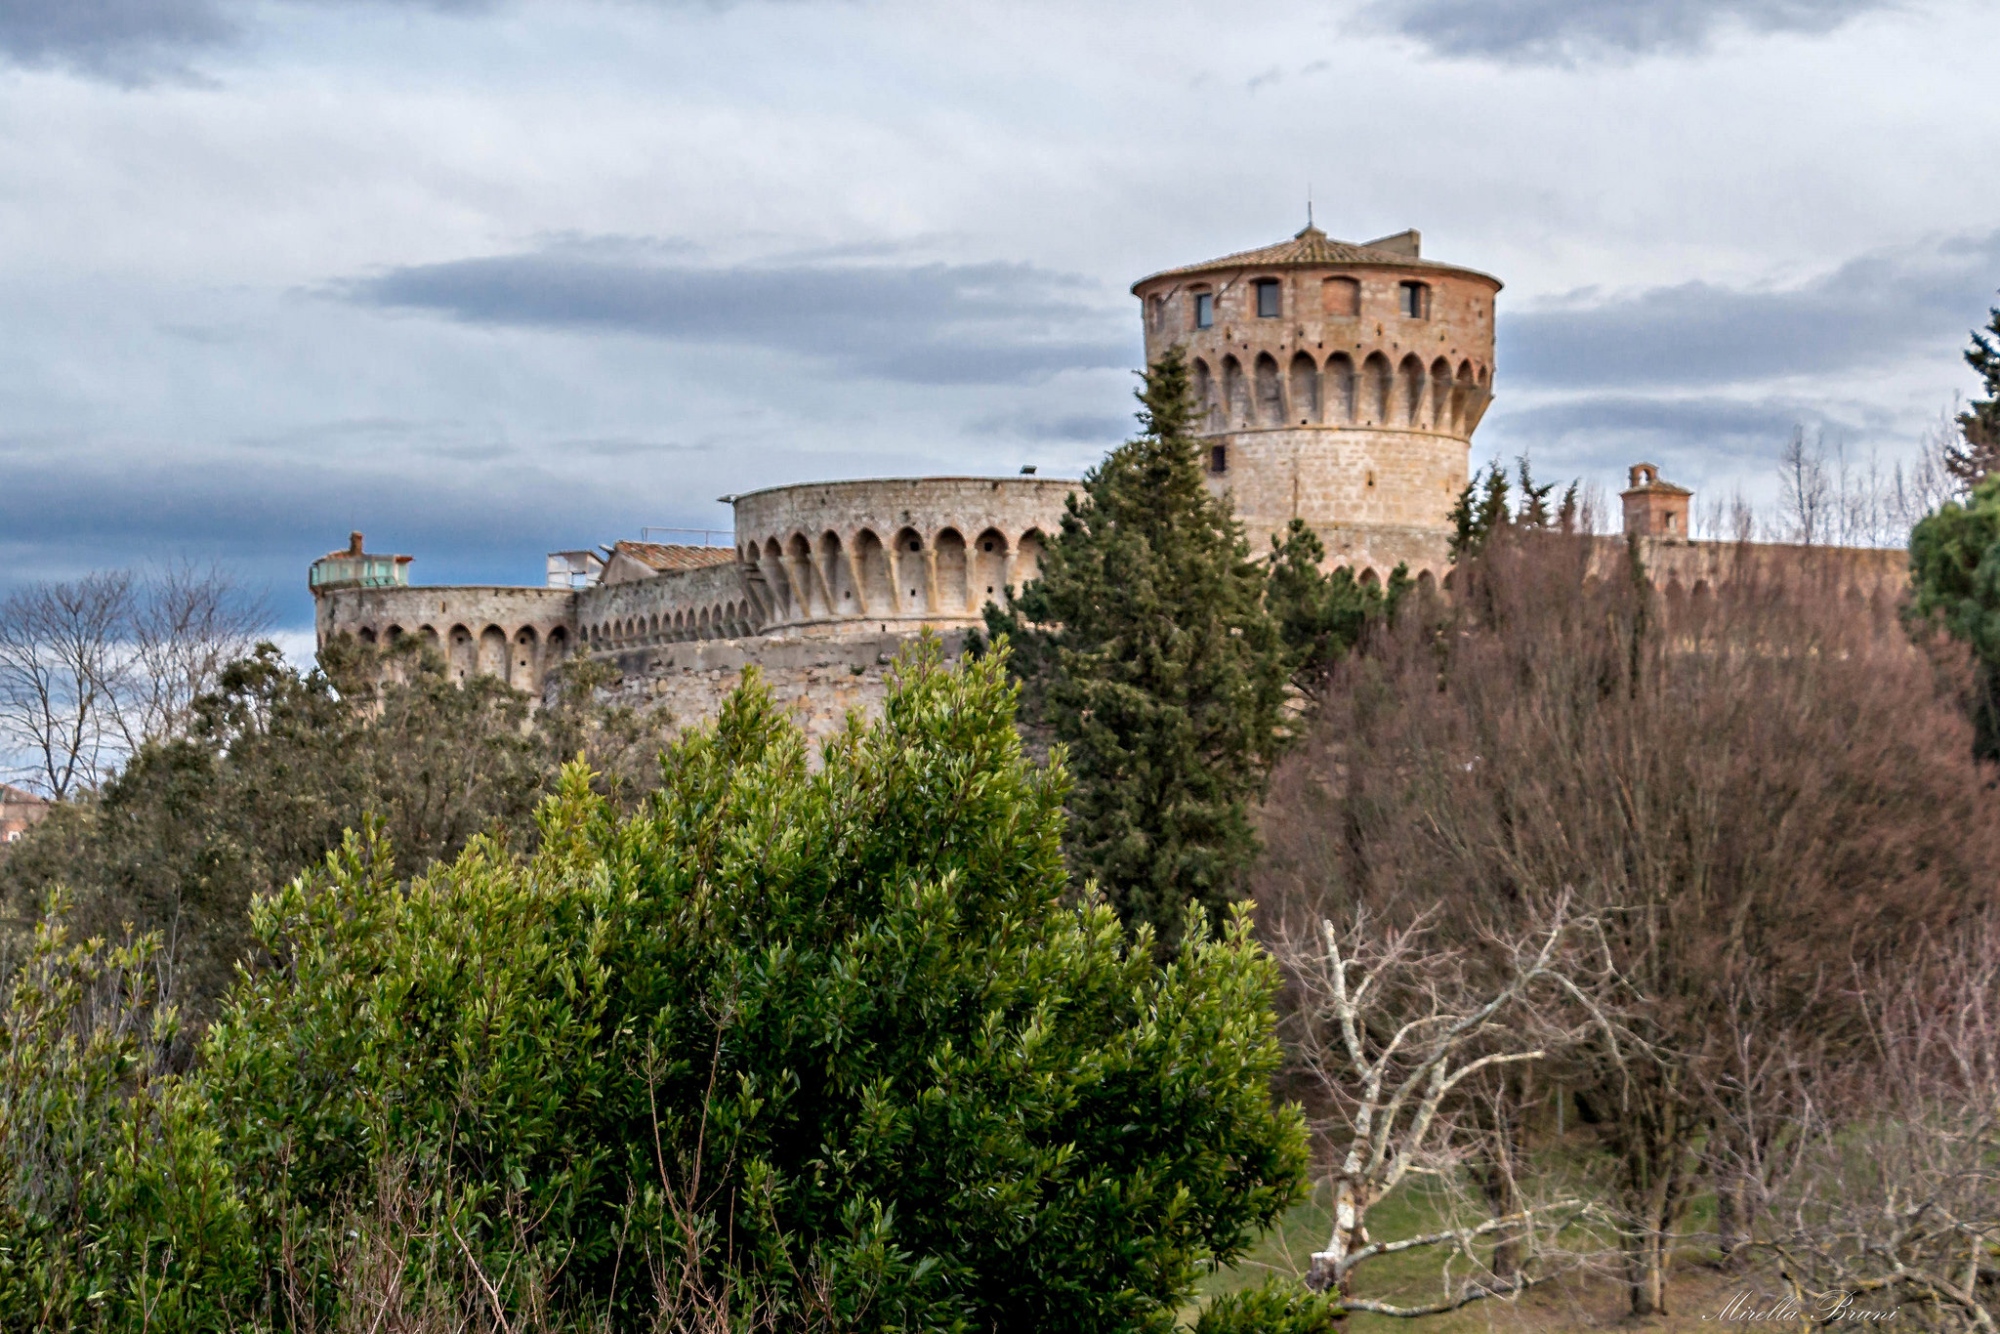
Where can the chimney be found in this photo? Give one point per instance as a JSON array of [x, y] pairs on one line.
[[354, 544]]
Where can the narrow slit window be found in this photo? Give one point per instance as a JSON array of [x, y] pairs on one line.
[[1204, 310], [1269, 306]]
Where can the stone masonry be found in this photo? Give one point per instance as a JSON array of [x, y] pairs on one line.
[[1336, 383]]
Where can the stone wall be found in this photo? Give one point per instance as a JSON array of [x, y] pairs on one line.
[[709, 602], [817, 681], [862, 558], [1866, 574], [516, 634]]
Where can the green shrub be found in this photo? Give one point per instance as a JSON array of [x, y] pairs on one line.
[[1279, 1306], [117, 1210], [836, 1040]]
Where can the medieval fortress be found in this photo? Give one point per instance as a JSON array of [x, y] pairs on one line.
[[1339, 384]]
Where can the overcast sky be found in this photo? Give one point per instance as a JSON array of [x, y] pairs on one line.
[[486, 278]]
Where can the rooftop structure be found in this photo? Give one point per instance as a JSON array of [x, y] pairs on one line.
[[356, 568]]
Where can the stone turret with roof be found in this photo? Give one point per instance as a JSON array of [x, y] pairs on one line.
[[1337, 383]]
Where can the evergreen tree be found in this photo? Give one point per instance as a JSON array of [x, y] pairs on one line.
[[1321, 616], [1955, 574], [1145, 648], [1979, 457]]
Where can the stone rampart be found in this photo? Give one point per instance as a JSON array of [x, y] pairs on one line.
[[709, 602], [819, 682], [1860, 573], [516, 634], [834, 559]]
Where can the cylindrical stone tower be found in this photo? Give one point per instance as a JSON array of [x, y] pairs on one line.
[[1338, 383]]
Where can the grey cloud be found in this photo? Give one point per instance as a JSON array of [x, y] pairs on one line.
[[115, 37], [933, 323], [1565, 31], [1875, 310], [131, 40]]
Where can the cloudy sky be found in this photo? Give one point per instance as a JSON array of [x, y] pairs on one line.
[[491, 277]]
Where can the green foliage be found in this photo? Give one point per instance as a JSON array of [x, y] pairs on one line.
[[117, 1208], [1322, 616], [836, 1034], [1145, 648], [1979, 457], [1280, 1306], [275, 767], [1488, 505], [1955, 574]]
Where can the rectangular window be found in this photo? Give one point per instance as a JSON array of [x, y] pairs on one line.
[[1267, 299], [1416, 301], [1218, 458], [1204, 310]]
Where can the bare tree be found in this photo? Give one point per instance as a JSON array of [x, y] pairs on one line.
[[61, 672], [90, 668], [188, 623], [1888, 1200], [1741, 787], [1393, 1029], [1804, 488]]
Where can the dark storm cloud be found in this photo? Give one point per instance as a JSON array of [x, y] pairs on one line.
[[1871, 312], [989, 323], [131, 39], [1566, 31]]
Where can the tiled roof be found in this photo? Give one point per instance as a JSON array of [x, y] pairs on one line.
[[673, 556], [14, 796], [1311, 247]]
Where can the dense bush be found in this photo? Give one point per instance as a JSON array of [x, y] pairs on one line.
[[1278, 1306], [832, 1042], [275, 764], [117, 1208]]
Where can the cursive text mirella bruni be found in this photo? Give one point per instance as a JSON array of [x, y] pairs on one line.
[[1748, 1309]]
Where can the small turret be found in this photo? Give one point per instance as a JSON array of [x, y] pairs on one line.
[[1654, 508]]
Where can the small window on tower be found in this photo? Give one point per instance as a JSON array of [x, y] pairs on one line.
[[1218, 458], [1268, 306], [1416, 301], [1204, 310]]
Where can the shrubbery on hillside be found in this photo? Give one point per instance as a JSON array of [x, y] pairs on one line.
[[830, 1047]]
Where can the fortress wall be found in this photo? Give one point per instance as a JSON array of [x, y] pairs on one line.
[[1346, 484], [818, 682], [1865, 573], [515, 634], [861, 558], [710, 602]]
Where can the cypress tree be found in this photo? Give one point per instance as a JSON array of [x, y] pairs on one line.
[[1979, 457], [1146, 649]]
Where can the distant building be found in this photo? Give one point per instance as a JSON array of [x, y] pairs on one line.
[[575, 569], [18, 810], [1654, 508], [1334, 383]]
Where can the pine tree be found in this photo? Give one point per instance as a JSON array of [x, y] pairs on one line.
[[1146, 649], [1979, 456]]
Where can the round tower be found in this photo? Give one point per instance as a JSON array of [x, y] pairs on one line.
[[1337, 383]]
